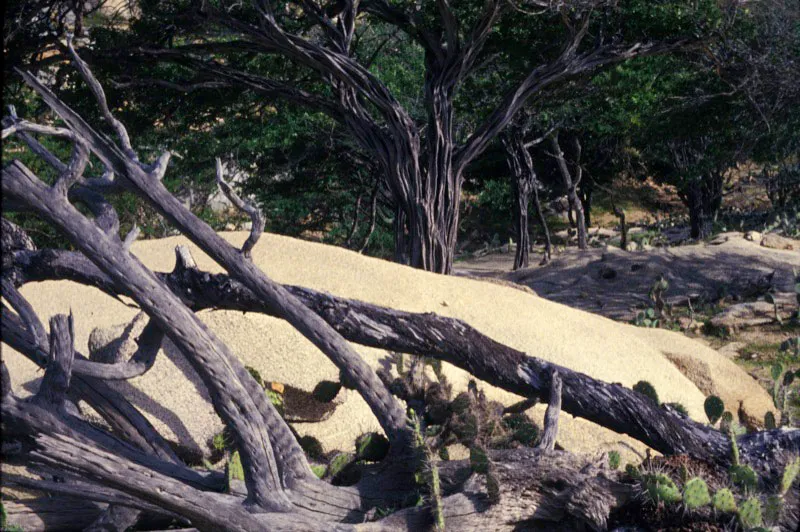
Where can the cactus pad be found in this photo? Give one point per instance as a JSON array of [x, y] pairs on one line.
[[723, 501], [695, 494]]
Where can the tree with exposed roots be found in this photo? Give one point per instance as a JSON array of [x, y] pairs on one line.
[[138, 476]]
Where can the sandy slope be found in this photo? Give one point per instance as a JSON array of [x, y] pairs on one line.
[[595, 345]]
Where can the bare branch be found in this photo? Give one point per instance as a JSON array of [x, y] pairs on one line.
[[548, 441], [54, 385], [256, 216], [100, 96]]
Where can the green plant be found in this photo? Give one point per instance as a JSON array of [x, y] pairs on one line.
[[695, 493], [769, 421], [789, 475], [633, 471], [234, 469], [478, 459], [428, 473], [773, 508], [256, 375], [339, 463], [492, 488], [319, 470], [744, 476], [660, 488], [750, 513], [647, 318], [219, 441], [524, 429], [645, 388], [723, 501], [613, 459], [714, 408], [276, 399], [372, 447]]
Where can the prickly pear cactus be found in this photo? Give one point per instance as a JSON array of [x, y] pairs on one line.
[[769, 421], [750, 513], [645, 388], [659, 487], [234, 469], [723, 501], [773, 509], [714, 408], [744, 476], [695, 493], [790, 475]]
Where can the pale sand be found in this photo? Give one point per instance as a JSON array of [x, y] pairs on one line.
[[586, 342]]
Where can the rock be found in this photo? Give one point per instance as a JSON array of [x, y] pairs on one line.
[[732, 349], [110, 345], [754, 313], [753, 236], [774, 241], [230, 226], [631, 246], [247, 226]]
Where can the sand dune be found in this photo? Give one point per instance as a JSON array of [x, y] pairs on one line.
[[604, 349]]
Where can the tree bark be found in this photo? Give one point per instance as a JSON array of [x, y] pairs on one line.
[[571, 184], [703, 198]]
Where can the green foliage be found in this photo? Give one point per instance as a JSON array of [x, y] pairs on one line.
[[744, 476], [773, 508], [461, 403], [478, 459], [372, 447], [219, 442], [723, 501], [714, 408], [660, 488], [647, 318], [645, 388], [695, 494], [256, 375], [338, 464], [789, 475], [633, 471], [769, 421], [614, 459], [492, 488], [234, 469], [319, 470], [750, 513], [524, 430], [276, 399], [428, 473]]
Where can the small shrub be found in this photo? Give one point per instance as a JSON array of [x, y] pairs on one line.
[[645, 388], [613, 459]]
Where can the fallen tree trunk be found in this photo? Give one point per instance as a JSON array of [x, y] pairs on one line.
[[425, 334]]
